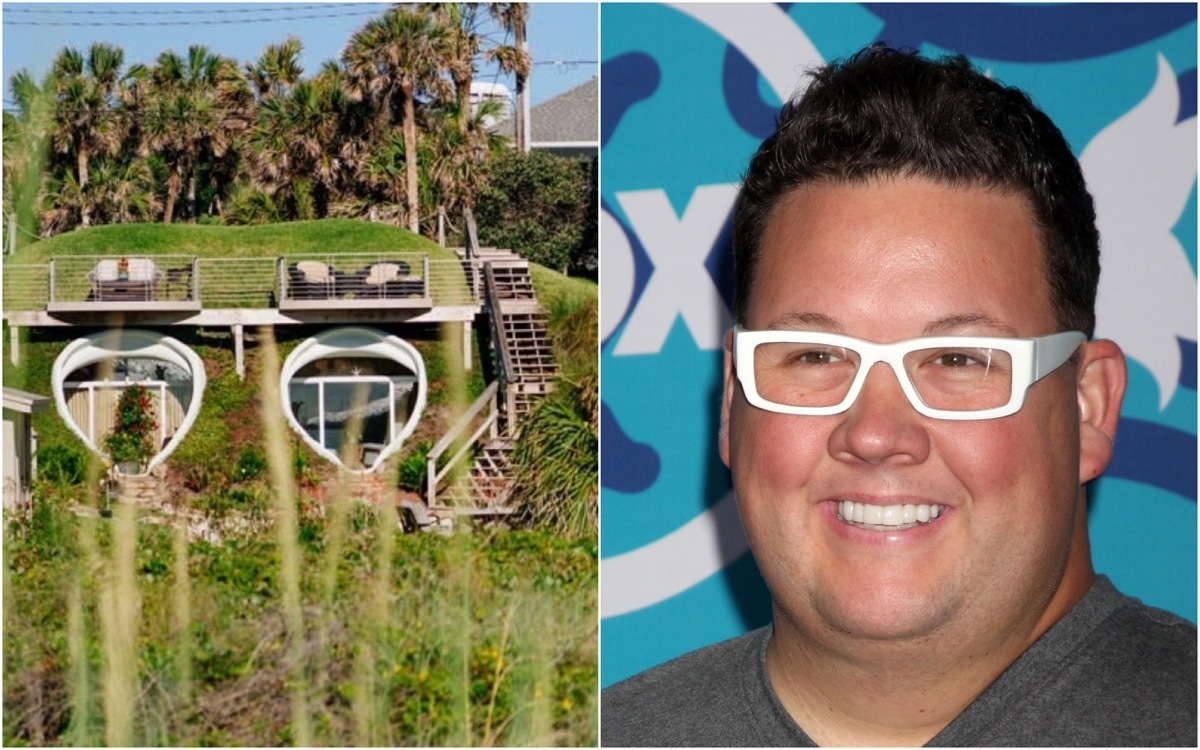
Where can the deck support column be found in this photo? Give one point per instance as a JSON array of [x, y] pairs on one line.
[[466, 342], [14, 344], [239, 351]]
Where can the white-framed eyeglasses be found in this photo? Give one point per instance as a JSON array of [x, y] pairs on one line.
[[944, 377]]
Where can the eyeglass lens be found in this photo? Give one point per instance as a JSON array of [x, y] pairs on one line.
[[819, 375]]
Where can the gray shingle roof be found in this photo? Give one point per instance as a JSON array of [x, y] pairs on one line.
[[570, 117]]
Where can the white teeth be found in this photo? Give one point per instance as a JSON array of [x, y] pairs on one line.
[[872, 514], [907, 514]]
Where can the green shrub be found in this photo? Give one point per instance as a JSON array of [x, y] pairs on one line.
[[219, 503], [540, 205], [246, 205], [203, 457], [133, 437], [62, 464], [555, 461], [47, 533], [414, 467], [251, 464]]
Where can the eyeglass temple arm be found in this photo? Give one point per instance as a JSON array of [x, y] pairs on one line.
[[1053, 350]]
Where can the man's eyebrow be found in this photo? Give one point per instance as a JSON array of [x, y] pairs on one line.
[[953, 324], [806, 321]]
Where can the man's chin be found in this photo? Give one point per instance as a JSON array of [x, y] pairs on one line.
[[895, 615]]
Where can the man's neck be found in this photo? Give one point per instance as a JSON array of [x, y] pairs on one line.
[[895, 693], [887, 696]]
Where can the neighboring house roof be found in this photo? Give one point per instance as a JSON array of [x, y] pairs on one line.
[[570, 119], [568, 122]]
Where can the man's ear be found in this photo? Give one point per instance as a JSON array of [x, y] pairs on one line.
[[727, 397], [1101, 387]]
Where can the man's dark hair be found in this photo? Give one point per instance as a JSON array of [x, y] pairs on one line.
[[890, 113]]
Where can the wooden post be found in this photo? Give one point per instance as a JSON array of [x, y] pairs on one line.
[[471, 240], [239, 351], [14, 344], [431, 482]]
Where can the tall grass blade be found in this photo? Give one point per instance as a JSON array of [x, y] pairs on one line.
[[120, 608], [287, 528], [80, 688], [182, 613]]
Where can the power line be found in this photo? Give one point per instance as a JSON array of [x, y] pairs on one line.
[[203, 11], [193, 22]]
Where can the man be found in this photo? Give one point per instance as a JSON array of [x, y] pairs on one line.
[[912, 410]]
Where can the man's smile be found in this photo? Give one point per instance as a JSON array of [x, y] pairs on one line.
[[886, 517]]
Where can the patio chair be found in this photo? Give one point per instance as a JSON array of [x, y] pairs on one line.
[[391, 280], [138, 283], [310, 279]]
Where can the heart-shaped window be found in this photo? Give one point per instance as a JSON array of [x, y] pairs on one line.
[[354, 395], [91, 374]]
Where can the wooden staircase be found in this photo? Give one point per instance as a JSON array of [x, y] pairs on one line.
[[526, 368]]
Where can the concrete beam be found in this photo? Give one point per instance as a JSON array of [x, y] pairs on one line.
[[239, 350], [223, 318], [466, 343]]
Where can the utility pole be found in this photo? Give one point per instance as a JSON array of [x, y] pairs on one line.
[[526, 124]]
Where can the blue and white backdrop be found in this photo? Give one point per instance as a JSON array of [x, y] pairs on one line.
[[688, 93]]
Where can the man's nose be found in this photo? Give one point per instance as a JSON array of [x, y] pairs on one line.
[[881, 425]]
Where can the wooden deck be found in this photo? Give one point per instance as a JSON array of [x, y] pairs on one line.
[[182, 290]]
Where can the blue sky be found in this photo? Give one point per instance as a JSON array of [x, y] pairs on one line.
[[563, 37]]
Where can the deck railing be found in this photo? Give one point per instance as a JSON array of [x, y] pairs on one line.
[[163, 278], [504, 369], [26, 286], [351, 279], [481, 418], [236, 282]]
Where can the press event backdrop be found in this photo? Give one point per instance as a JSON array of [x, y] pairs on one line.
[[688, 92]]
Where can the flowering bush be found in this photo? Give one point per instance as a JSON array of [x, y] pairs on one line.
[[132, 438]]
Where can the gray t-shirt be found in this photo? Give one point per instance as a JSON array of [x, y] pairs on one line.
[[1111, 672]]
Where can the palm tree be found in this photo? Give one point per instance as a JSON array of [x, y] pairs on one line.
[[121, 190], [462, 23], [351, 126], [388, 61], [87, 121], [197, 107], [277, 69], [382, 171], [456, 157], [514, 19], [294, 144], [65, 200]]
